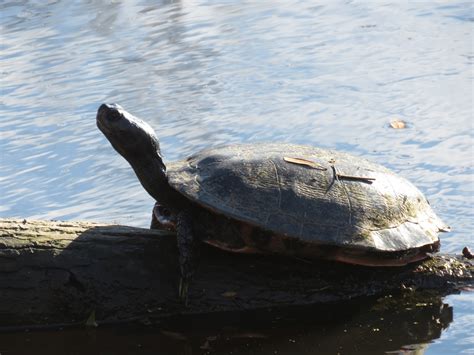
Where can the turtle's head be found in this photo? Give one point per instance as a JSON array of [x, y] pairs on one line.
[[133, 138], [136, 141]]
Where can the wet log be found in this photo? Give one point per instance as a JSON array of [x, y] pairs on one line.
[[54, 273]]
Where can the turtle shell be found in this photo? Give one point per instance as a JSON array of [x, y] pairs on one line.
[[315, 195]]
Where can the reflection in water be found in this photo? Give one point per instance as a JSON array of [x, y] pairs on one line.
[[390, 324], [330, 75]]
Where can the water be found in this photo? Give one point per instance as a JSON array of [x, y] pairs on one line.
[[203, 73]]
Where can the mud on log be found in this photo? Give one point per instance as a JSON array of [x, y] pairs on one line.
[[62, 272]]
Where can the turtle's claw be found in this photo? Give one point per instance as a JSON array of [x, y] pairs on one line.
[[183, 290]]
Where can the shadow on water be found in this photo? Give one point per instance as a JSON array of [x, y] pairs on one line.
[[374, 326]]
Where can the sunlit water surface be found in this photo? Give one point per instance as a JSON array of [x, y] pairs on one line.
[[204, 73]]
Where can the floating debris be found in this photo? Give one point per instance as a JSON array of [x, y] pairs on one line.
[[248, 336], [229, 294], [174, 335], [306, 162], [366, 179], [90, 322], [398, 124]]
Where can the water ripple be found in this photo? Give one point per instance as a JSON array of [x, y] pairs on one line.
[[204, 74]]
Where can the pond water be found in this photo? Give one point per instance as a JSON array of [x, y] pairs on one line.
[[330, 74]]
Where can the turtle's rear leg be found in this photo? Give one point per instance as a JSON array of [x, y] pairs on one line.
[[188, 252]]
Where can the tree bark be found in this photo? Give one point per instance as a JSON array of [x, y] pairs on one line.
[[55, 272]]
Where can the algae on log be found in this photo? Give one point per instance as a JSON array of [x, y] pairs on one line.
[[55, 272]]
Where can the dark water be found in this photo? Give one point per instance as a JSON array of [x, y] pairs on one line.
[[203, 73], [389, 324]]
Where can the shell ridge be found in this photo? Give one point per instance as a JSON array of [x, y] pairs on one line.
[[277, 175]]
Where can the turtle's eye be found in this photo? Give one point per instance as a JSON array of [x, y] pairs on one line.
[[114, 116], [164, 211]]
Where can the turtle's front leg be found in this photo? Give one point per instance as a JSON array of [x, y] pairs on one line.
[[162, 218], [188, 252], [155, 224]]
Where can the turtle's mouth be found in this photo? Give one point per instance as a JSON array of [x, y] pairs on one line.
[[123, 131], [100, 125], [119, 127], [109, 117], [118, 124]]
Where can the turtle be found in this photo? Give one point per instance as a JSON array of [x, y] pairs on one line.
[[277, 198]]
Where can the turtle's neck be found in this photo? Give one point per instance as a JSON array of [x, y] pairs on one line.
[[152, 175]]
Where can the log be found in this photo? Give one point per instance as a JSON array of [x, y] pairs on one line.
[[64, 273]]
